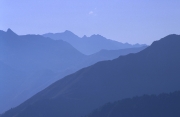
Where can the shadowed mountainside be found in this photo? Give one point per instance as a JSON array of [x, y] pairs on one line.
[[152, 71]]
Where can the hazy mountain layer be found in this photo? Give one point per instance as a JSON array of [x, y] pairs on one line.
[[90, 45], [35, 52], [151, 71]]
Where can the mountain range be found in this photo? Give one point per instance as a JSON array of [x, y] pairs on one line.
[[92, 44], [30, 63], [153, 70]]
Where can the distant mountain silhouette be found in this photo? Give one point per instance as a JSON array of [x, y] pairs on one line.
[[35, 52], [30, 63], [152, 71], [163, 105], [111, 54], [90, 45]]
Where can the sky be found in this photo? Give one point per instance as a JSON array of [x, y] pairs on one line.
[[132, 21]]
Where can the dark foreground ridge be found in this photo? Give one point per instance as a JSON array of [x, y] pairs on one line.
[[152, 71], [163, 105]]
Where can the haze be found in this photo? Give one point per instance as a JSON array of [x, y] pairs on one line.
[[141, 21]]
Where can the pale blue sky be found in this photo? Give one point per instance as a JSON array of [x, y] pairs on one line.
[[133, 21]]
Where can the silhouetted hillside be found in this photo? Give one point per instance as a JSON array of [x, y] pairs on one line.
[[163, 105], [151, 71], [90, 45]]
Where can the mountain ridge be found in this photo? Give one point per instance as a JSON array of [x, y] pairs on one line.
[[148, 72], [92, 44]]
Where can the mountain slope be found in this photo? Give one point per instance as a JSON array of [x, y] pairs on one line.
[[9, 78], [163, 105], [111, 54], [108, 55], [89, 45], [151, 71], [30, 63]]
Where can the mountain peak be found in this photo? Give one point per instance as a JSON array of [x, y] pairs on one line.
[[171, 36], [67, 31], [9, 31], [168, 40], [84, 36], [99, 36]]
